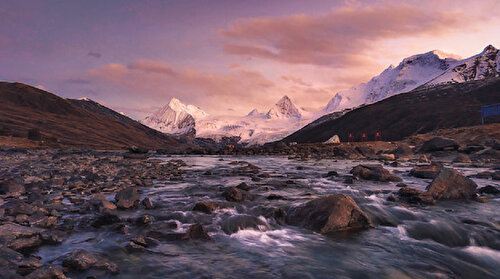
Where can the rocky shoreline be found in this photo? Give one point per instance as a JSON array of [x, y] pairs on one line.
[[47, 195]]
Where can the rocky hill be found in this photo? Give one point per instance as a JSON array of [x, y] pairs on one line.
[[64, 122]]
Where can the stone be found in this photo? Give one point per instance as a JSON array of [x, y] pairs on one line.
[[127, 198], [240, 222], [439, 144], [144, 220], [374, 172], [451, 184], [11, 188], [488, 190], [236, 195], [147, 203], [332, 213], [428, 172], [387, 157], [206, 207], [81, 260], [402, 150], [105, 219], [412, 195], [47, 272], [462, 158], [332, 173]]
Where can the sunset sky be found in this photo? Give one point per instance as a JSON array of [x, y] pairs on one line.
[[226, 56]]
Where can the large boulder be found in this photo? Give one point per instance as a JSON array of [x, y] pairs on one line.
[[439, 144], [411, 195], [332, 213], [374, 172], [451, 184], [127, 198], [428, 171]]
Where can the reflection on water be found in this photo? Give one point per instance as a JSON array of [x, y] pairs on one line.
[[449, 240]]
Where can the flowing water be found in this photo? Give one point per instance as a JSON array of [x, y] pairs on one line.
[[458, 239]]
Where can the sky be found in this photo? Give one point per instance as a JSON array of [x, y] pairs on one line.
[[226, 56]]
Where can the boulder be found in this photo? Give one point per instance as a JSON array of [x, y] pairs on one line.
[[47, 272], [411, 195], [206, 207], [439, 144], [332, 213], [491, 190], [451, 184], [236, 195], [81, 260], [127, 198], [402, 150], [11, 188], [240, 222], [375, 173], [20, 238], [429, 171]]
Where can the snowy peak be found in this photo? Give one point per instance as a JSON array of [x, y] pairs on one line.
[[284, 109], [175, 118], [256, 114], [484, 65]]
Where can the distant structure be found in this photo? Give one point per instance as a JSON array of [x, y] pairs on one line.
[[489, 111], [334, 139]]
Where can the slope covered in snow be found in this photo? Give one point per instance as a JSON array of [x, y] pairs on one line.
[[175, 118], [428, 69], [411, 73]]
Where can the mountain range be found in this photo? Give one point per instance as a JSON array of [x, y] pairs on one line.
[[422, 70]]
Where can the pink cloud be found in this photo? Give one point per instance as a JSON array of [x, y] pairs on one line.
[[340, 38]]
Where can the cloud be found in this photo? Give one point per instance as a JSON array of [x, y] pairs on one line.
[[152, 66], [94, 54], [156, 82], [342, 38], [296, 80]]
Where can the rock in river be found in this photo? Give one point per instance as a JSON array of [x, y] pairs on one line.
[[450, 184], [236, 195], [127, 198], [81, 260], [429, 171], [374, 172], [329, 214]]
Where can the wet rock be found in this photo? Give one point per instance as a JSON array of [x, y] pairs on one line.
[[147, 203], [451, 184], [144, 220], [195, 231], [374, 172], [386, 157], [491, 190], [412, 195], [140, 243], [328, 214], [445, 233], [275, 197], [105, 219], [401, 185], [481, 199], [332, 173], [11, 188], [243, 186], [462, 158], [99, 202], [81, 260], [20, 238], [13, 264], [428, 172], [402, 150], [240, 222], [439, 144], [206, 207], [127, 198], [236, 195], [47, 272], [51, 237]]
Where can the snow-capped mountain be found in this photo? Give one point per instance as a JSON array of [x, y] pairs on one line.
[[428, 69], [284, 109], [484, 65], [281, 119], [175, 118], [411, 73]]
